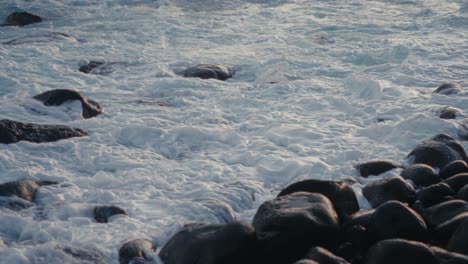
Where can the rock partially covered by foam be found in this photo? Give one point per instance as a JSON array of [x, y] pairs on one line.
[[58, 96], [24, 189], [449, 88], [210, 71], [13, 131], [102, 213], [137, 251], [376, 167], [21, 19], [232, 243]]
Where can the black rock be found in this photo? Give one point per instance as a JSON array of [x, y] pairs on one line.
[[90, 66], [323, 256], [463, 193], [103, 213], [453, 168], [210, 71], [421, 175], [232, 243], [450, 112], [306, 261], [444, 231], [24, 189], [59, 96], [449, 88], [457, 181], [21, 19], [376, 167], [394, 219], [399, 251], [13, 131], [440, 213], [290, 225], [446, 257], [137, 250], [361, 218], [438, 151], [434, 194], [458, 241], [340, 194], [392, 188]]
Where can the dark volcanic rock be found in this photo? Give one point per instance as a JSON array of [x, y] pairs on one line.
[[90, 66], [290, 225], [209, 71], [340, 194], [306, 261], [138, 250], [446, 257], [421, 175], [434, 194], [440, 213], [449, 88], [361, 218], [450, 112], [399, 251], [59, 96], [323, 256], [392, 188], [21, 19], [211, 244], [444, 231], [103, 213], [376, 167], [463, 193], [438, 151], [394, 219], [453, 168], [24, 189], [459, 240], [13, 131], [458, 181]]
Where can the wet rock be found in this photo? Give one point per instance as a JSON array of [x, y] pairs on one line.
[[440, 213], [421, 175], [400, 251], [453, 168], [340, 194], [42, 38], [306, 261], [449, 88], [14, 203], [392, 188], [59, 96], [434, 194], [13, 131], [90, 66], [446, 257], [438, 151], [24, 189], [138, 250], [458, 181], [21, 19], [211, 244], [444, 231], [394, 219], [209, 71], [376, 167], [323, 256], [103, 213], [463, 193], [362, 218], [459, 240], [450, 112], [290, 225]]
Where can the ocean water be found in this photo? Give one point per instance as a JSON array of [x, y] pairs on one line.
[[319, 87]]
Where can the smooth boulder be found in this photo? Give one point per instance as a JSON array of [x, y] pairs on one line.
[[340, 194], [444, 231], [376, 167], [421, 175], [392, 188], [400, 251], [459, 240], [449, 88], [450, 112], [434, 194], [21, 19], [209, 71], [137, 251], [457, 181], [231, 243], [453, 168], [289, 225], [58, 96], [463, 193], [24, 189], [440, 213], [323, 256], [104, 212], [13, 131]]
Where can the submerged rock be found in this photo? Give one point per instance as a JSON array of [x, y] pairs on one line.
[[392, 188], [21, 19], [340, 194], [449, 112], [209, 71], [232, 243], [41, 38], [376, 167], [58, 96], [13, 131], [104, 212], [449, 88], [90, 66], [137, 251]]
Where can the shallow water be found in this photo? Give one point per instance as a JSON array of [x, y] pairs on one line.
[[312, 80]]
